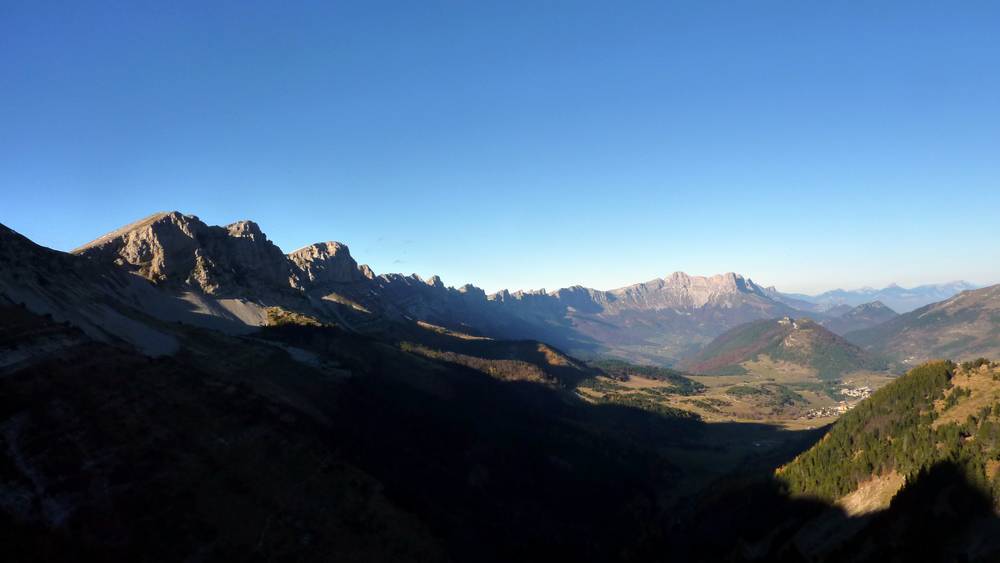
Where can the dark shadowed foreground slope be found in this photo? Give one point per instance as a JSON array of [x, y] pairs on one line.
[[234, 449]]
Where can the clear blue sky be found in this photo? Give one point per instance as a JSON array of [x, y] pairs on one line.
[[530, 144]]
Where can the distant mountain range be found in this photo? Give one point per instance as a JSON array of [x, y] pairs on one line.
[[235, 273], [962, 327], [900, 299], [229, 277], [861, 317]]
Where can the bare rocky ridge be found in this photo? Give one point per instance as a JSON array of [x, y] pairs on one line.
[[229, 276], [324, 263], [181, 250], [656, 321], [684, 291]]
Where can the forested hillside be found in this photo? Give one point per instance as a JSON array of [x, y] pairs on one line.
[[938, 412]]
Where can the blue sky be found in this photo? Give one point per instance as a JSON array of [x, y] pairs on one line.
[[529, 144]]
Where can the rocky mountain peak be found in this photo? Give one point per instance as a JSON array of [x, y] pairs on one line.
[[160, 247], [729, 281], [501, 296], [246, 229], [472, 291], [327, 262], [178, 249], [683, 290]]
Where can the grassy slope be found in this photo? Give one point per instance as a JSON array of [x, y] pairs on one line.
[[808, 345]]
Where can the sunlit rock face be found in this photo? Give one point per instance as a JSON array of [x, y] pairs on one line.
[[325, 263], [177, 249]]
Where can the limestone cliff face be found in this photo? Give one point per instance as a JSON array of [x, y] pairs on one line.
[[160, 247], [242, 256], [176, 249], [680, 290], [237, 260], [325, 263]]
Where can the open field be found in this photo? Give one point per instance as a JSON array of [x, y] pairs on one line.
[[779, 393]]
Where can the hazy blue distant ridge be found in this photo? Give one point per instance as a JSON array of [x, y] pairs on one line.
[[900, 299]]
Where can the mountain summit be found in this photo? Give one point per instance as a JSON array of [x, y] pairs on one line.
[[180, 250], [682, 290]]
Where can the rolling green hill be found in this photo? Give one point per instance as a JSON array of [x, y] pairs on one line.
[[801, 342]]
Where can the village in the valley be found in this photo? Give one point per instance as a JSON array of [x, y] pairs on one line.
[[853, 395]]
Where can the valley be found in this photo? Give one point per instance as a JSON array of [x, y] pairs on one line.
[[157, 364], [499, 282], [781, 394]]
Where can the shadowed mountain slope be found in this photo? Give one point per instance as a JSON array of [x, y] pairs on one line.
[[311, 442]]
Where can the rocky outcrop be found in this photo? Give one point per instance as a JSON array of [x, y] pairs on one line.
[[160, 247], [327, 263], [181, 250]]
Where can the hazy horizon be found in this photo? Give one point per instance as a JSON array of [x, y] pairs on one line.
[[523, 146]]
